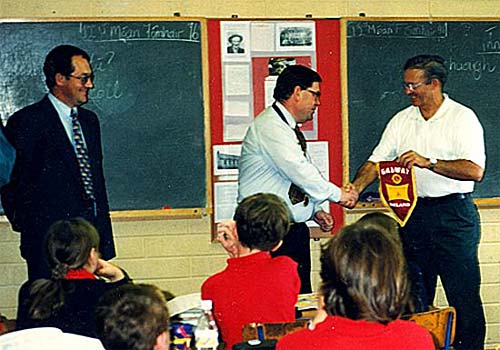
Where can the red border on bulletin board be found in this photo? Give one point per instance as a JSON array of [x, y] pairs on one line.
[[329, 116]]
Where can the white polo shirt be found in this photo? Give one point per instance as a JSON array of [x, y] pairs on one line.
[[454, 132]]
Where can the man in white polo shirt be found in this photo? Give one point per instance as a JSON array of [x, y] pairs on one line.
[[443, 140]]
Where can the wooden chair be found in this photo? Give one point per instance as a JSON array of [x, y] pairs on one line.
[[440, 322], [274, 331]]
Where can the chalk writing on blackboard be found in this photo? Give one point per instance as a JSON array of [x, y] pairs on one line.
[[492, 45], [109, 89], [108, 32], [480, 61], [415, 30], [476, 67]]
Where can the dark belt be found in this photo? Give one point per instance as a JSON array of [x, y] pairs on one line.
[[292, 224], [443, 200]]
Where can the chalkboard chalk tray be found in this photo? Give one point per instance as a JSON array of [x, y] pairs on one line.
[[149, 95], [374, 52]]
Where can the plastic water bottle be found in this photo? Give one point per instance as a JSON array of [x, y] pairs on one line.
[[206, 333]]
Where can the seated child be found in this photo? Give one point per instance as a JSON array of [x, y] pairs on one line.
[[364, 292], [419, 302], [254, 287], [133, 317], [68, 299]]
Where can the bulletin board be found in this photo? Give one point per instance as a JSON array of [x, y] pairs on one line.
[[324, 57]]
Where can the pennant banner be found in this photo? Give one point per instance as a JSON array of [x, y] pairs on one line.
[[397, 189]]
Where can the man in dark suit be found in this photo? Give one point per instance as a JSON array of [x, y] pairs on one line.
[[49, 181]]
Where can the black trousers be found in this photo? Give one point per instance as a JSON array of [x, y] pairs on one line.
[[37, 262], [34, 246], [296, 246], [442, 238]]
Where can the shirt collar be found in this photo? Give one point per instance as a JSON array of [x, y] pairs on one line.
[[287, 114], [252, 258], [79, 274], [439, 113], [355, 328], [441, 110], [62, 109]]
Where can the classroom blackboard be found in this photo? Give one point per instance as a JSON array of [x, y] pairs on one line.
[[148, 95], [376, 52]]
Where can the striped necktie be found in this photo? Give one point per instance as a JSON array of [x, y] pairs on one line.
[[295, 193], [301, 138], [82, 156]]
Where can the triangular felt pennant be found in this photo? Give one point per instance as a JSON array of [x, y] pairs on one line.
[[397, 189]]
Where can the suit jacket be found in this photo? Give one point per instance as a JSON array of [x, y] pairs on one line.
[[45, 184], [7, 158]]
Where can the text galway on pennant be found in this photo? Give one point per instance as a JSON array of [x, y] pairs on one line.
[[397, 189]]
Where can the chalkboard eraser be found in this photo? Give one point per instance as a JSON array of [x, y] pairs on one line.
[[362, 14], [309, 15], [234, 15], [177, 14]]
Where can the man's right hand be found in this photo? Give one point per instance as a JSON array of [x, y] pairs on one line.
[[349, 196]]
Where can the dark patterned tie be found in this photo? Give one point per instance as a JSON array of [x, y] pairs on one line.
[[82, 156], [301, 138], [295, 194]]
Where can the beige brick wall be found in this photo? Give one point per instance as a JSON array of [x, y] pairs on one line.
[[177, 255]]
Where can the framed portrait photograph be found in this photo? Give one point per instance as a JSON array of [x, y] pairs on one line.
[[235, 41]]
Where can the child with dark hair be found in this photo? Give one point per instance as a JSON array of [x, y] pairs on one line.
[[133, 317], [254, 287], [364, 294], [68, 299], [418, 301]]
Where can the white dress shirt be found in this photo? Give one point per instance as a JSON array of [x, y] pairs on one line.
[[453, 133], [64, 113], [272, 159]]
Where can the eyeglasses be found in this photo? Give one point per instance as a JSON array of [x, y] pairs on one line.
[[413, 86], [315, 93], [83, 78]]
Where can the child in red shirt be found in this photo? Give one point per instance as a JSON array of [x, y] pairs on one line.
[[364, 292], [254, 287]]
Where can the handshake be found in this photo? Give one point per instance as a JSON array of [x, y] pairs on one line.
[[349, 196]]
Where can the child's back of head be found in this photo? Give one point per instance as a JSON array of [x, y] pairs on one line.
[[262, 220]]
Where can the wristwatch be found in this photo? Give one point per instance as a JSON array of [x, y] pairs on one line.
[[433, 162]]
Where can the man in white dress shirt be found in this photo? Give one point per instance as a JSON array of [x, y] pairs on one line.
[[443, 140], [274, 160]]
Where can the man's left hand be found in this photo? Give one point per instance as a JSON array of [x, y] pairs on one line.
[[412, 158], [324, 220]]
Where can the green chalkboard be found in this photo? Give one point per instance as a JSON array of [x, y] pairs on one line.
[[376, 52], [148, 95]]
